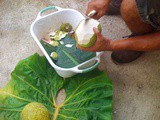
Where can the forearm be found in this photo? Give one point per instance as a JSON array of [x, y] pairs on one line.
[[139, 43]]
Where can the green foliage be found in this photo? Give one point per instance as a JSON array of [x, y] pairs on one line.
[[68, 57], [88, 96]]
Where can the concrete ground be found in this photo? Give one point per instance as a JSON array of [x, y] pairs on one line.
[[136, 85]]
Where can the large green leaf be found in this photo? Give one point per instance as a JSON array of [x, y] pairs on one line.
[[69, 56], [88, 96]]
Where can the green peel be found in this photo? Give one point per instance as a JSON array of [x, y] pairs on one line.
[[54, 55], [54, 43], [66, 27], [35, 111]]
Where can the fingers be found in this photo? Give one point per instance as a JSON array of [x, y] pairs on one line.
[[94, 16], [88, 11], [87, 49], [97, 15], [100, 37], [91, 7], [96, 31], [100, 14], [82, 48]]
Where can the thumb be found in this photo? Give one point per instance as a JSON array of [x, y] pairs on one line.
[[96, 31]]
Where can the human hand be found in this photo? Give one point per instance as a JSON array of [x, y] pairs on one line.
[[100, 6], [101, 44]]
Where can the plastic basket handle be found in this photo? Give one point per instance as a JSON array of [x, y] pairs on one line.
[[46, 9], [85, 70], [91, 68]]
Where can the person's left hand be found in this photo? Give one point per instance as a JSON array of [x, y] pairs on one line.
[[102, 43]]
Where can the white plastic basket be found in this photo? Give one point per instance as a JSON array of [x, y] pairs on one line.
[[47, 23]]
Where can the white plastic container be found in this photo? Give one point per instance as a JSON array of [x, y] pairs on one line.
[[51, 22]]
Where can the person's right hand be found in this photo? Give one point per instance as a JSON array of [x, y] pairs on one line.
[[100, 6]]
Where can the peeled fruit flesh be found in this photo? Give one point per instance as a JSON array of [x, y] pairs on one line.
[[54, 55], [84, 34], [61, 42], [66, 27], [54, 43], [59, 35], [35, 111]]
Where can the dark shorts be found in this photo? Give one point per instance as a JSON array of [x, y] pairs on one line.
[[149, 10]]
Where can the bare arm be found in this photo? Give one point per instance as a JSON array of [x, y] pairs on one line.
[[139, 43]]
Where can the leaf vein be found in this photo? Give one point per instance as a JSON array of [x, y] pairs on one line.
[[4, 92], [70, 57], [34, 88], [68, 117]]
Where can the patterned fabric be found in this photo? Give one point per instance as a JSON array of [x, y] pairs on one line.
[[149, 11]]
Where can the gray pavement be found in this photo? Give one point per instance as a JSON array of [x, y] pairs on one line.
[[136, 85]]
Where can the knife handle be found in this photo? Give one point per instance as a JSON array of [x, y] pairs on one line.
[[93, 12]]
